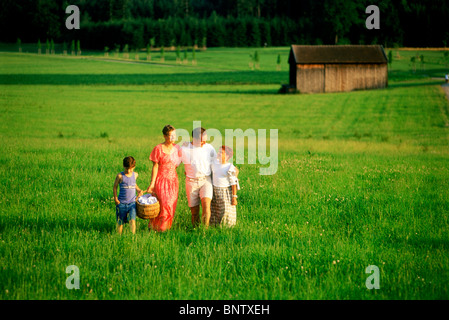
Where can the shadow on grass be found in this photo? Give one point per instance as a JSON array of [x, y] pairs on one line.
[[256, 92], [43, 223], [185, 232], [234, 77], [429, 242], [408, 75], [414, 84]]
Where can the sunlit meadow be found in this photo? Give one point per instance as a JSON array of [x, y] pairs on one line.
[[362, 180]]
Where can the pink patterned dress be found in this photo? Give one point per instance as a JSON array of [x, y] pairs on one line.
[[166, 186]]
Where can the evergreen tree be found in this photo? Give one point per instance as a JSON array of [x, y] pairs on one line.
[[240, 39], [276, 32], [265, 33], [137, 36], [339, 16], [216, 31], [202, 34], [256, 60], [253, 33], [185, 56]]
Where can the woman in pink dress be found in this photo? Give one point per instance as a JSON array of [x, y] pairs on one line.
[[166, 158]]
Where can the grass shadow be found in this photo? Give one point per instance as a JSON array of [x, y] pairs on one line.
[[43, 223], [234, 77], [255, 92], [414, 84]]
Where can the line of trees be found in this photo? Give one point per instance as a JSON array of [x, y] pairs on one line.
[[215, 31], [227, 22]]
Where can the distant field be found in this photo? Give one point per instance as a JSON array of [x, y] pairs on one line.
[[363, 179]]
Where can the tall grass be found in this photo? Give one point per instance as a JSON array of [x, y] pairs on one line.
[[362, 180]]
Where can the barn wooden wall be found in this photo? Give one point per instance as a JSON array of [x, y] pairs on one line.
[[315, 78], [355, 76], [310, 78]]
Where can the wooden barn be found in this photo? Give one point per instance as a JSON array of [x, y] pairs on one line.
[[336, 68]]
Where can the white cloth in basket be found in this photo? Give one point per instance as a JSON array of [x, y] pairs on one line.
[[147, 199]]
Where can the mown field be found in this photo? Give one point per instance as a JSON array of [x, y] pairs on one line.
[[362, 180]]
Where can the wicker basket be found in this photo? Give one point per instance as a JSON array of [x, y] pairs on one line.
[[147, 211]]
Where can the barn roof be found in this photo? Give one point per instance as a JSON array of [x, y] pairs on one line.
[[304, 54]]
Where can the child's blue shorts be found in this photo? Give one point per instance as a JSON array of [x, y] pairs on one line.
[[125, 212]]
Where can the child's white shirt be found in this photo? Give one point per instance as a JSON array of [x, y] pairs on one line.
[[220, 176]]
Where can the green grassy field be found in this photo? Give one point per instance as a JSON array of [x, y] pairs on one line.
[[362, 180]]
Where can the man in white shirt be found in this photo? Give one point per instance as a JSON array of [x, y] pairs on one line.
[[197, 157]]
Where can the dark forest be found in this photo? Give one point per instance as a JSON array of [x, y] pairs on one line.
[[232, 23]]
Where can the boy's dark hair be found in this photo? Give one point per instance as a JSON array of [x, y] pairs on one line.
[[196, 133], [167, 129], [129, 162]]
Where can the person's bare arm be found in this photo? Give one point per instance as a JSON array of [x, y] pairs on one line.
[[234, 193], [154, 171], [117, 181], [234, 189]]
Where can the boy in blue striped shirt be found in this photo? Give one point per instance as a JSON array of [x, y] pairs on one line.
[[125, 208]]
